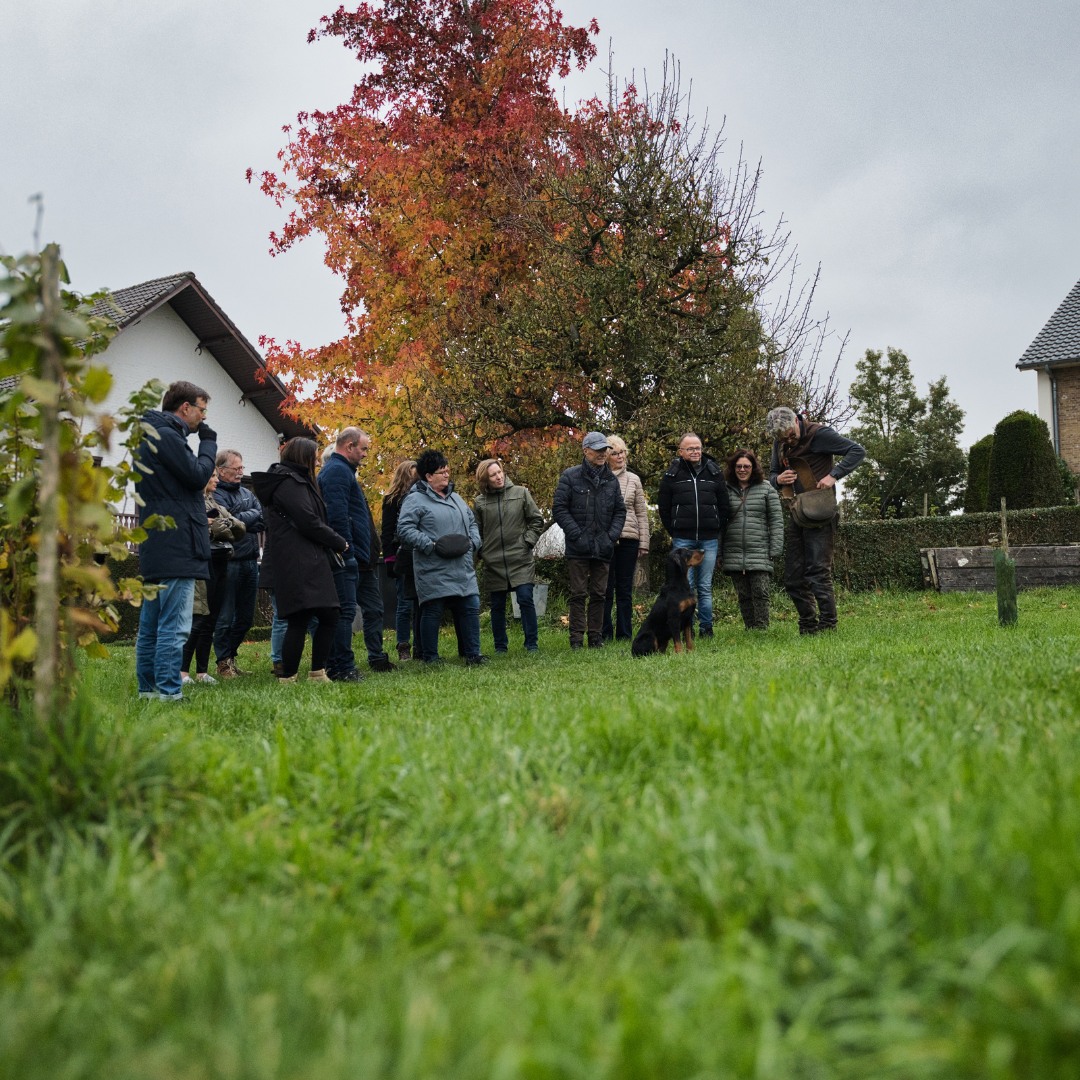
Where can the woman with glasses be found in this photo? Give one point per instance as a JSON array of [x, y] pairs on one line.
[[754, 536], [631, 546]]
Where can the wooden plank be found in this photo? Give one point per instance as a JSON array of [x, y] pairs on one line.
[[981, 578], [1067, 555]]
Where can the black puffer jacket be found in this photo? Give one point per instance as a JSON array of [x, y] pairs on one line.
[[243, 505], [591, 515], [299, 541], [693, 507]]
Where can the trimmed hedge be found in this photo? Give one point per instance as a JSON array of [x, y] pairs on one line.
[[884, 554], [1023, 465], [978, 479]]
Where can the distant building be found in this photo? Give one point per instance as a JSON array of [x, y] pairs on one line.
[[170, 329], [1055, 356]]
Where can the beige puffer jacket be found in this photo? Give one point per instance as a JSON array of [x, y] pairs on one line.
[[637, 512]]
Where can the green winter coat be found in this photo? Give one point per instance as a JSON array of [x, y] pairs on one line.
[[510, 523], [755, 533]]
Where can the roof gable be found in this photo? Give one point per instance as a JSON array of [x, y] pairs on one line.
[[216, 334], [1058, 341]]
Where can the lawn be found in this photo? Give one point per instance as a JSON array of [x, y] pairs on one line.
[[849, 856]]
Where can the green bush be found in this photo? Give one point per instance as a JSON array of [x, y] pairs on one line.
[[978, 476], [1023, 465]]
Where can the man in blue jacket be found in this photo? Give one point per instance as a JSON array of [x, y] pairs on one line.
[[348, 515], [242, 590], [172, 485]]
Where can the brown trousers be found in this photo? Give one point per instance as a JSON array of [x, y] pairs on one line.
[[588, 579]]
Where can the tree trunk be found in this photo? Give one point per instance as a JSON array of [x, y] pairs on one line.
[[46, 614]]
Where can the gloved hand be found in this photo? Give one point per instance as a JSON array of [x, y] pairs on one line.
[[206, 433]]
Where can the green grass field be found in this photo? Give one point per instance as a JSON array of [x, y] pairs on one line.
[[853, 856]]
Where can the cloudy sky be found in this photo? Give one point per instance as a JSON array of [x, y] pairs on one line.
[[924, 154]]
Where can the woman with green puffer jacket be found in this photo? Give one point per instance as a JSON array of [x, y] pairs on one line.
[[754, 536], [510, 523]]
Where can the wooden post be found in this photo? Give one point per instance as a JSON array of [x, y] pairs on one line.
[[1005, 573], [46, 608], [925, 504]]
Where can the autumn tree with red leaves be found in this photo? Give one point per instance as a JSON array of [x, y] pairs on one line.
[[405, 183], [516, 273]]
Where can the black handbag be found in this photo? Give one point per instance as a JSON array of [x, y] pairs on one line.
[[452, 546]]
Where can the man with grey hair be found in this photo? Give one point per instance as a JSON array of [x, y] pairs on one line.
[[242, 586], [800, 446], [588, 506], [348, 514]]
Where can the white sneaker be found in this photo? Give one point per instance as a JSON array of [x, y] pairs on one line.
[[207, 678], [186, 680]]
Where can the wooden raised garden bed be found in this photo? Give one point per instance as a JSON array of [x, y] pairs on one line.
[[963, 569]]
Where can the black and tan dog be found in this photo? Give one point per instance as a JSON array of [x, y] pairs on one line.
[[672, 616]]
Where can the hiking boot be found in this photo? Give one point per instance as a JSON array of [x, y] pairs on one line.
[[348, 676], [476, 661], [382, 665], [704, 632], [276, 669], [596, 643], [286, 679], [236, 670], [404, 652], [225, 670], [318, 676]]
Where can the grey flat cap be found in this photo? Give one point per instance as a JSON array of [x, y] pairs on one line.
[[595, 440]]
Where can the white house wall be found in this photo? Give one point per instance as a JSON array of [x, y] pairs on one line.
[[1046, 400], [160, 346]]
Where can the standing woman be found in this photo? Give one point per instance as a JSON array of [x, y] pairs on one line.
[[631, 546], [303, 546], [407, 620], [510, 523], [754, 537], [225, 530]]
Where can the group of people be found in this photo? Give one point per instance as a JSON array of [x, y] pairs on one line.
[[322, 551]]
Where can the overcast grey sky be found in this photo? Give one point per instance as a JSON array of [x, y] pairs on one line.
[[925, 154]]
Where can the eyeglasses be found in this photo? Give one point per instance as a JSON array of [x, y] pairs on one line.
[[741, 467], [201, 408]]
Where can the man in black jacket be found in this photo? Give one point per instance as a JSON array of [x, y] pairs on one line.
[[171, 485], [589, 508], [242, 589], [693, 507], [808, 552]]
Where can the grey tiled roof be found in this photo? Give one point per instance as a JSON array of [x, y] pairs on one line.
[[137, 299], [1059, 340]]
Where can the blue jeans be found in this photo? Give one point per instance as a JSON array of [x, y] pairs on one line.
[[341, 659], [404, 617], [369, 601], [528, 617], [164, 625], [238, 609], [277, 632], [701, 578], [467, 609]]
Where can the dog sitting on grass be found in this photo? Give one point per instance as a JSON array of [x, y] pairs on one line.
[[672, 616]]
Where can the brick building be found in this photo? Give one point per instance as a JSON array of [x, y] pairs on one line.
[[1055, 356]]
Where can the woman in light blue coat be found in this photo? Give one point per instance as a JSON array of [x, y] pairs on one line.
[[439, 527]]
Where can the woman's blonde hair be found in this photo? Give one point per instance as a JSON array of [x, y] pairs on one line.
[[616, 443], [324, 457], [404, 477], [482, 472]]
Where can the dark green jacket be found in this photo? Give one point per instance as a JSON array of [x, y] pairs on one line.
[[510, 523], [755, 533]]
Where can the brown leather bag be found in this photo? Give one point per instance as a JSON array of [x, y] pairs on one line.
[[814, 507]]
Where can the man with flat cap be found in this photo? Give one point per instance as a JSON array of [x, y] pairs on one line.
[[589, 508]]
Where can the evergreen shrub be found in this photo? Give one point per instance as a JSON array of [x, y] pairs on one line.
[[1023, 465], [978, 476]]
